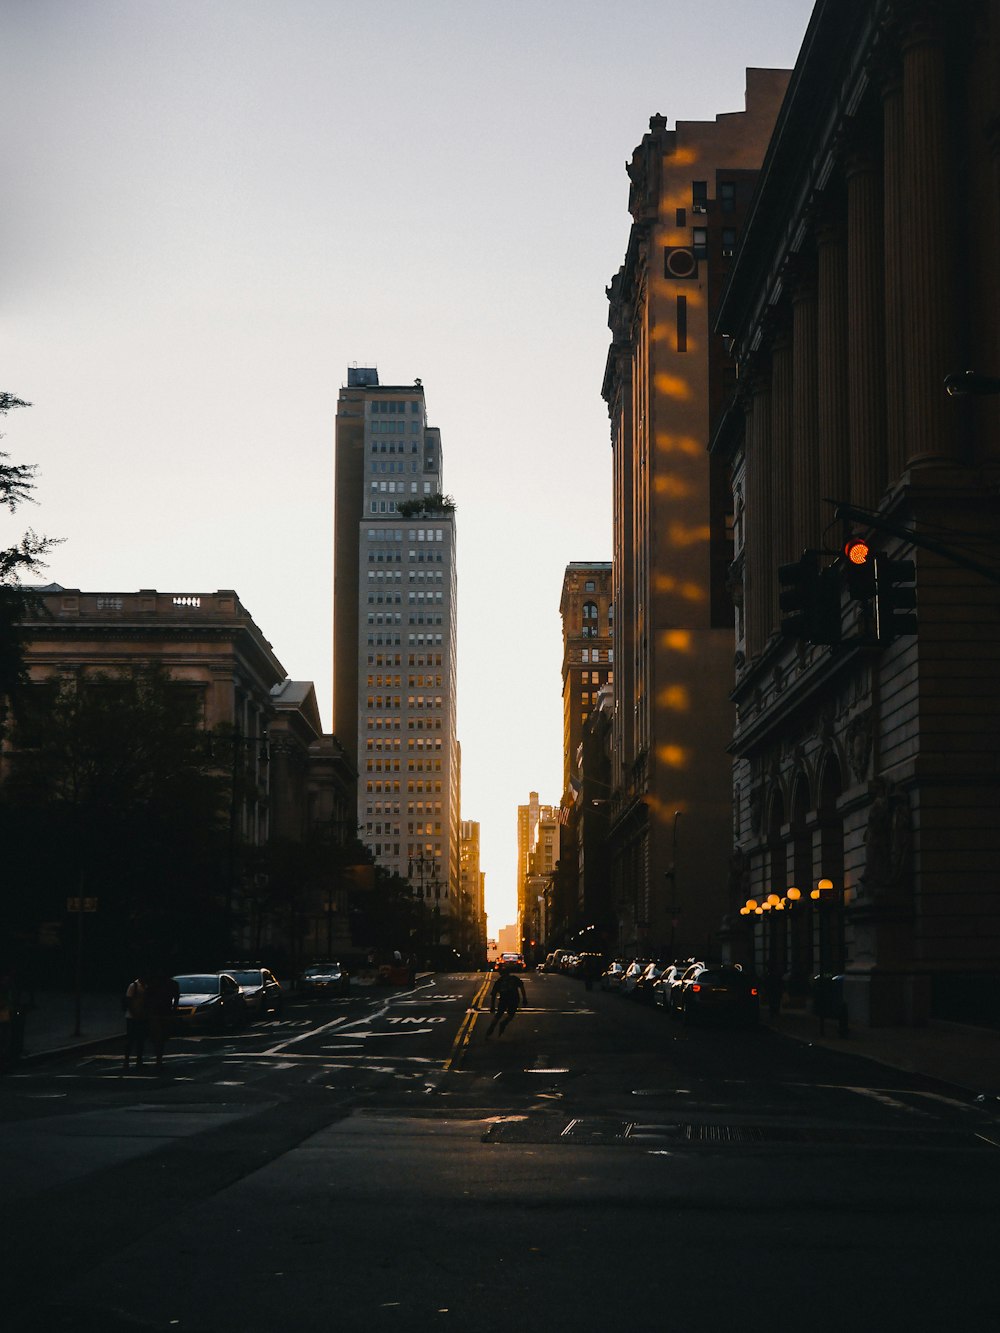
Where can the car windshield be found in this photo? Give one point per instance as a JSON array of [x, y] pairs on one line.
[[199, 983], [252, 978], [322, 970]]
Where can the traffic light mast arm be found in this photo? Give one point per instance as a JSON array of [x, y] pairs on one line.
[[881, 524]]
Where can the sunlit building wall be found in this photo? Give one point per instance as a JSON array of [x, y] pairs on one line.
[[671, 835], [868, 274], [394, 661], [587, 614]]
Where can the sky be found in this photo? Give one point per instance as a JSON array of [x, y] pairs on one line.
[[213, 207]]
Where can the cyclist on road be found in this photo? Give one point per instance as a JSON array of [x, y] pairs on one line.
[[508, 991]]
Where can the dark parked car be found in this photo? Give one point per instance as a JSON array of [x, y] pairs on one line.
[[262, 992], [723, 994], [325, 979], [675, 990], [210, 1000]]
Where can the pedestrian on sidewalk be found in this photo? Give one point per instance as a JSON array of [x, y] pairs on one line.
[[136, 1021], [162, 997]]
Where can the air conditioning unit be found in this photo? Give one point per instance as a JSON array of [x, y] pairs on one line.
[[679, 261]]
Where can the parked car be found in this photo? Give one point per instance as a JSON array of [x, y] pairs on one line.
[[721, 993], [325, 979], [262, 991], [675, 994], [210, 1000], [663, 984], [633, 972], [611, 977], [648, 978]]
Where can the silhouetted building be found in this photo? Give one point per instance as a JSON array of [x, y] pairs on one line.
[[868, 273]]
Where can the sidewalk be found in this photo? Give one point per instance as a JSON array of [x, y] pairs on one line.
[[51, 1023], [966, 1057]]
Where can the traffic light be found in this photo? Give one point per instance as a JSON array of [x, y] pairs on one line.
[[895, 603], [810, 597], [860, 560]]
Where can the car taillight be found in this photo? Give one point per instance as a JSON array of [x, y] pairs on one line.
[[753, 990], [695, 986]]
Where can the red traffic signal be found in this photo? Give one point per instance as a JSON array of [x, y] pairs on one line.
[[860, 569], [858, 551]]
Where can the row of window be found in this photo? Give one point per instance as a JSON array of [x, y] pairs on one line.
[[413, 660], [392, 766], [392, 468], [395, 724], [393, 406], [395, 640], [413, 682], [412, 534], [595, 655], [396, 428], [396, 618], [412, 701]]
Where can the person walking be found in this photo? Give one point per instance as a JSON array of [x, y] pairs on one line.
[[162, 996], [508, 991], [136, 1025]]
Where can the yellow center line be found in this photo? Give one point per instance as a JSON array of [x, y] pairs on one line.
[[464, 1035]]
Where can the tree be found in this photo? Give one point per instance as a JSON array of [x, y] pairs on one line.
[[17, 482], [113, 793]]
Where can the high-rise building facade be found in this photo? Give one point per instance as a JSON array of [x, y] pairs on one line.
[[670, 830], [394, 618], [587, 613]]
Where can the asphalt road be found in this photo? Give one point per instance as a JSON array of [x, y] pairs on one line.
[[373, 1163]]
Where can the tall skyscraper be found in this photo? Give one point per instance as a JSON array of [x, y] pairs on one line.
[[394, 625]]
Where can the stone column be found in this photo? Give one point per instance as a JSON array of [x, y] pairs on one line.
[[808, 516], [931, 347], [866, 344], [761, 590], [894, 204], [831, 341]]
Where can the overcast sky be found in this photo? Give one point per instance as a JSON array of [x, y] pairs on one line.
[[213, 207]]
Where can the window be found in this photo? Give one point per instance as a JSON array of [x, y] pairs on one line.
[[699, 196], [682, 324], [699, 242], [727, 196], [728, 241]]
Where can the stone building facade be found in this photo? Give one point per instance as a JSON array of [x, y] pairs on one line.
[[672, 722], [868, 274]]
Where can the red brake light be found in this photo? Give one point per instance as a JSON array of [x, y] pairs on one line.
[[695, 985], [753, 990]]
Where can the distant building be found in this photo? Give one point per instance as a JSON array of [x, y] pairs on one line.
[[587, 612], [287, 777], [394, 615], [670, 830], [537, 859], [472, 915]]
